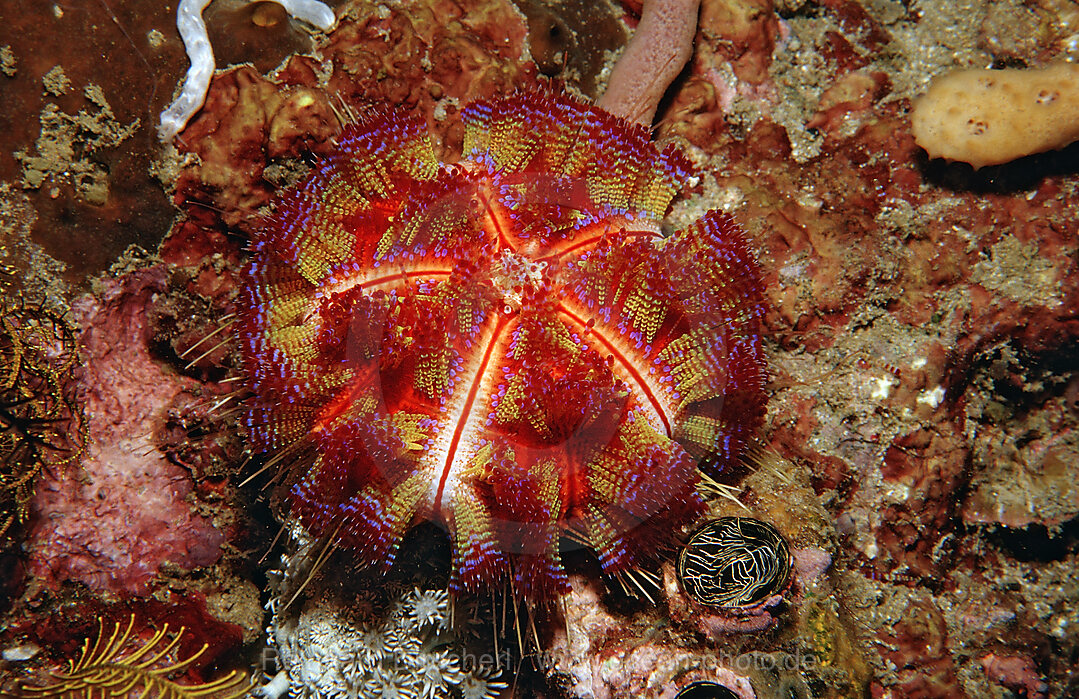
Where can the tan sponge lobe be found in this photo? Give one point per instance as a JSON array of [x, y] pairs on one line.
[[989, 117]]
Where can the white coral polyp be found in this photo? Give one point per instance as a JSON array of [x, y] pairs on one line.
[[192, 30], [436, 672], [473, 687], [429, 608]]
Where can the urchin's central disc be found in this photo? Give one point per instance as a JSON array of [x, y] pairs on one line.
[[512, 275]]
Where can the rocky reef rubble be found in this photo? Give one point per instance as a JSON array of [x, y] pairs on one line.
[[921, 318]]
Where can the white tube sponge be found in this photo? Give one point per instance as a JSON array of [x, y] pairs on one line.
[[197, 43], [989, 117], [313, 12], [197, 82]]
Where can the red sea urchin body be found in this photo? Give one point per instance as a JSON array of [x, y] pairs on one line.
[[506, 345]]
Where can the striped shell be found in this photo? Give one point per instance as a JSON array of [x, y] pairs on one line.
[[735, 562]]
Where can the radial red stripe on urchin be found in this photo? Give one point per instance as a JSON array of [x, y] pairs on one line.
[[507, 345]]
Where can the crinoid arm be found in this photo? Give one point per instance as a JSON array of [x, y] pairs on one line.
[[116, 665]]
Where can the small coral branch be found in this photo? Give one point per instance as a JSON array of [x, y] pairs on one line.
[[197, 43], [103, 671], [653, 58]]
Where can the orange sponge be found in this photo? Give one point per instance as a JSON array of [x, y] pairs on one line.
[[989, 117]]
